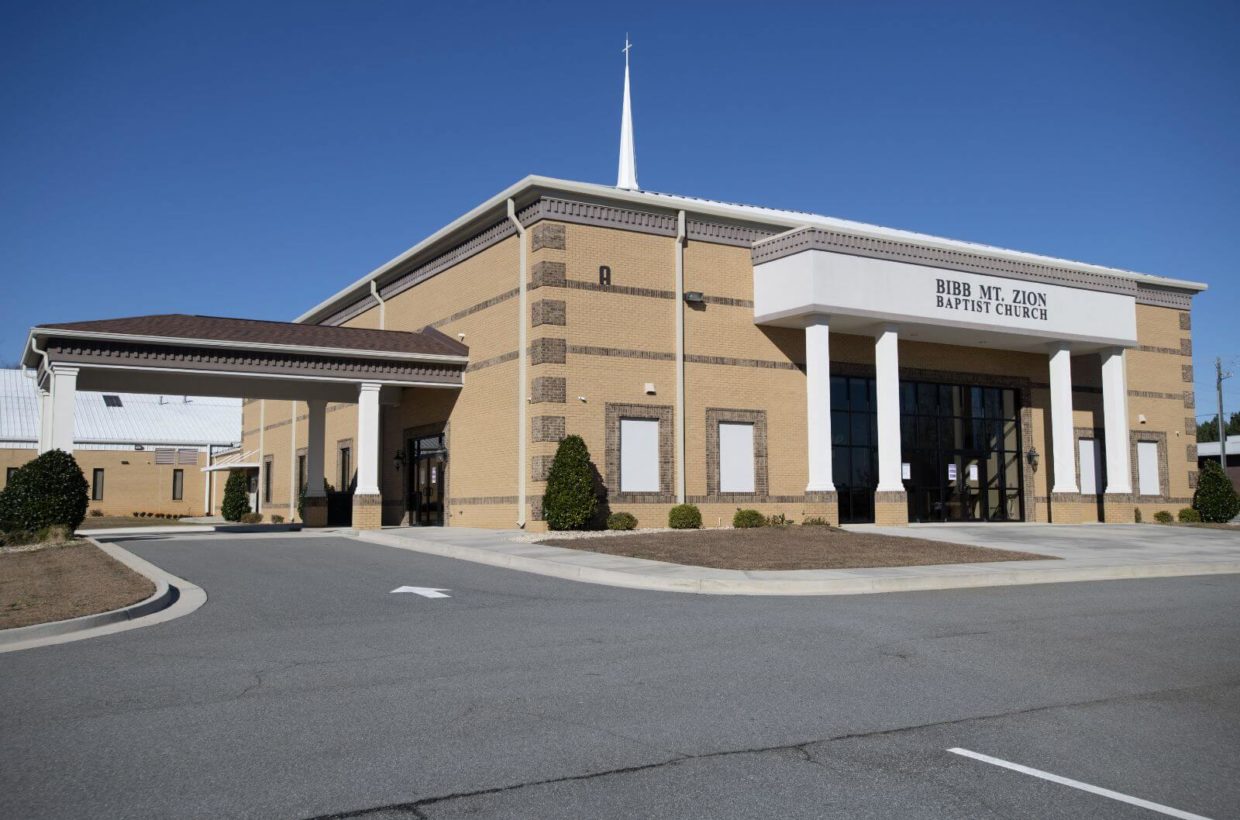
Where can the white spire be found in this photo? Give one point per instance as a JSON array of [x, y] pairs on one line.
[[626, 176]]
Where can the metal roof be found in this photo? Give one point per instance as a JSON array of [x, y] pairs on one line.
[[1209, 449], [140, 419]]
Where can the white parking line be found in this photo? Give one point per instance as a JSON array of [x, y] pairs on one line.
[[1076, 784]]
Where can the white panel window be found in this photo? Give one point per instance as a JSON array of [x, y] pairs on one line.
[[639, 456], [1147, 468], [736, 458], [1091, 466]]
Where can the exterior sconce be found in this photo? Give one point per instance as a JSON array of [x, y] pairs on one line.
[[1033, 457], [400, 459], [695, 297]]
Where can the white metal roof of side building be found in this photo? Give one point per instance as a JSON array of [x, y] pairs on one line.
[[120, 418]]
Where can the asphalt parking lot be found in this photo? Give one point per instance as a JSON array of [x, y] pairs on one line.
[[305, 688]]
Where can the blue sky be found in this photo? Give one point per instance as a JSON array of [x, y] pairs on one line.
[[251, 158]]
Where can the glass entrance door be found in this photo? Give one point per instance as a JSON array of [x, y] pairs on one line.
[[428, 464]]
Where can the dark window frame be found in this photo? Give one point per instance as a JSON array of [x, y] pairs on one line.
[[97, 484], [178, 485]]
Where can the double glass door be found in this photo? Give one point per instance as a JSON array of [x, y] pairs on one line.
[[428, 464]]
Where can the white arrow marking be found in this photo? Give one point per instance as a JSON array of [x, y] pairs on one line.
[[425, 592]]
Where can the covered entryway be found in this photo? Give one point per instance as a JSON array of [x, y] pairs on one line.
[[245, 358]]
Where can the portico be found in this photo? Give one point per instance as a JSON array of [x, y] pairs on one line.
[[196, 355], [803, 280]]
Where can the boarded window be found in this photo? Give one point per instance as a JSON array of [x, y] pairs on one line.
[[639, 456], [1147, 468], [1091, 466], [736, 473]]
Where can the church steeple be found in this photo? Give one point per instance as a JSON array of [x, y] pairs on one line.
[[626, 175]]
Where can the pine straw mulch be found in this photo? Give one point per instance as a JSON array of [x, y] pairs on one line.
[[52, 583], [788, 548]]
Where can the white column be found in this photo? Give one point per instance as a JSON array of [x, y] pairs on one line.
[[1063, 445], [887, 394], [367, 439], [45, 418], [818, 411], [316, 431], [64, 392], [1115, 421]]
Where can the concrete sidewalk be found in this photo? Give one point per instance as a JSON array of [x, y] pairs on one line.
[[1086, 553]]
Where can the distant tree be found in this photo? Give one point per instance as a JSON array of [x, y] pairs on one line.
[[236, 496], [1208, 429]]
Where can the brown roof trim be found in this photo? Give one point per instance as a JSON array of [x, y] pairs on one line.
[[216, 331]]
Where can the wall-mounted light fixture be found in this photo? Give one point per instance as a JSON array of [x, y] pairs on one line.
[[649, 388], [695, 297], [400, 459], [1033, 457]]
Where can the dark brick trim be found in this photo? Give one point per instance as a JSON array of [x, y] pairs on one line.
[[1186, 373], [547, 428], [494, 360], [662, 413], [540, 467], [718, 415], [1164, 471], [549, 235], [475, 308], [548, 389], [1186, 320], [548, 351], [547, 274], [549, 312], [469, 501]]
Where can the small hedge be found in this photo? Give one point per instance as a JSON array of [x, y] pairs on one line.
[[748, 519], [815, 521], [236, 496], [685, 517], [570, 500], [1215, 499], [1189, 516], [621, 521], [252, 518], [46, 492], [1163, 517]]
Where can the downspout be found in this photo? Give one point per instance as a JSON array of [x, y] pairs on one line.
[[522, 343], [374, 291], [44, 435], [680, 357]]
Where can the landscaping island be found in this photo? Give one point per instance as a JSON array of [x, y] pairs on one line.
[[786, 548], [53, 583]]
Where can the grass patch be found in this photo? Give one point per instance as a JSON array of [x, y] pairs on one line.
[[65, 581], [108, 522], [770, 548]]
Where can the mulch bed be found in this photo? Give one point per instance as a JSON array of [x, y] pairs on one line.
[[789, 548], [107, 522], [54, 583]]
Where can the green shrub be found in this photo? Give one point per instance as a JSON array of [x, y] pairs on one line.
[[252, 518], [236, 496], [748, 519], [277, 519], [48, 491], [96, 513], [1136, 515], [685, 517], [779, 520], [1163, 517], [815, 521], [571, 499], [1215, 499], [621, 521], [1189, 516]]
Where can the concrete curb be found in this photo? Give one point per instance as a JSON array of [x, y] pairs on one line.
[[658, 576], [173, 598]]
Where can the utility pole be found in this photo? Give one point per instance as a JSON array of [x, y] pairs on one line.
[[1219, 375]]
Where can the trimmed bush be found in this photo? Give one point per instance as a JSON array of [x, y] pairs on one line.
[[748, 519], [252, 518], [236, 496], [1189, 516], [48, 491], [1163, 517], [277, 519], [570, 500], [685, 517], [621, 521], [1136, 515], [1215, 499]]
